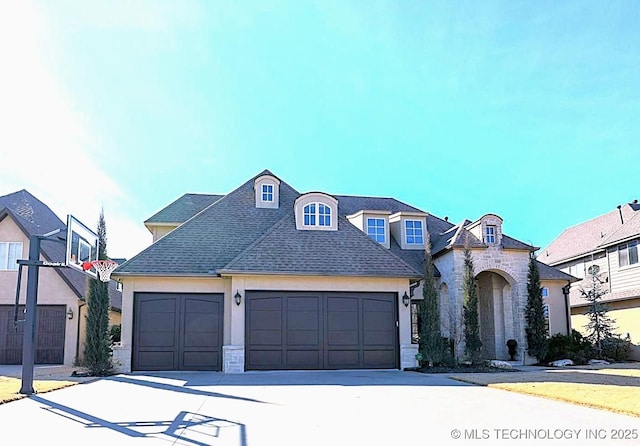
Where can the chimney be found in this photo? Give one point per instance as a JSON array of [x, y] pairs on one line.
[[620, 211]]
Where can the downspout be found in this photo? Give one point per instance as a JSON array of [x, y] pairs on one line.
[[82, 304], [565, 291]]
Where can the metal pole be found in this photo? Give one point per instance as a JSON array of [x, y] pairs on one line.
[[31, 320]]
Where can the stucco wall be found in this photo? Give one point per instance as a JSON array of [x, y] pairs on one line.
[[557, 306], [627, 320]]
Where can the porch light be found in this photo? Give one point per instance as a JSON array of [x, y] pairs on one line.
[[69, 313], [238, 298], [406, 299]]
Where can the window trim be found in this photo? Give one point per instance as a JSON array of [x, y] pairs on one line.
[[267, 193], [18, 252], [406, 232], [320, 217], [542, 292], [625, 248], [490, 234], [375, 227]]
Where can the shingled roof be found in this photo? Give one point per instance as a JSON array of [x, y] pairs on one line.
[[228, 234], [183, 208], [34, 217], [593, 235], [233, 235]]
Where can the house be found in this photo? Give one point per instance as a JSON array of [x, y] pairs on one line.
[[608, 246], [268, 278], [61, 291]]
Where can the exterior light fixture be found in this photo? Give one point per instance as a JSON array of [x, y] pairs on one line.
[[69, 313], [406, 299], [238, 298]]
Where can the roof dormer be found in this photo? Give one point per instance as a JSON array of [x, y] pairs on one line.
[[409, 229], [374, 223], [267, 191], [488, 228], [316, 211]]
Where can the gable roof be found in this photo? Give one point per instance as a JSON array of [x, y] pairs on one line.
[[233, 235], [183, 208], [593, 235], [34, 217]]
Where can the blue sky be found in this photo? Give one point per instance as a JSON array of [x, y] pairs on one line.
[[527, 110]]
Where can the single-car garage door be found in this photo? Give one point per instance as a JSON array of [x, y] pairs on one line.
[[307, 330], [177, 331], [50, 335]]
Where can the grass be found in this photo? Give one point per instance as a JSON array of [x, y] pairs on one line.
[[616, 390], [9, 388]]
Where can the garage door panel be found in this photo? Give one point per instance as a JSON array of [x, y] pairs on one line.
[[156, 360], [50, 335], [177, 331], [303, 359], [267, 320], [337, 327], [378, 358], [265, 359], [343, 359], [342, 337], [303, 337], [201, 360]]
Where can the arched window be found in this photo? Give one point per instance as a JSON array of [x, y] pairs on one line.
[[317, 214]]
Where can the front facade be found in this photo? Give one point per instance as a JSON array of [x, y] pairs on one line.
[[61, 291], [608, 246], [267, 278]]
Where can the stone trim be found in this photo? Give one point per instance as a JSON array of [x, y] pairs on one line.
[[408, 356], [233, 358]]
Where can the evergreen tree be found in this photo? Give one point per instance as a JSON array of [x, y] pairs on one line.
[[473, 344], [536, 330], [600, 326], [97, 349], [431, 345]]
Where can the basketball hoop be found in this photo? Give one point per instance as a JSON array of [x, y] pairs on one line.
[[103, 267]]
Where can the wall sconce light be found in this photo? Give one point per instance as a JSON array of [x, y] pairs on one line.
[[238, 298], [406, 299], [69, 313]]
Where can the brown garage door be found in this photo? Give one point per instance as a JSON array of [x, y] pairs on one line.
[[50, 335], [293, 330], [177, 331]]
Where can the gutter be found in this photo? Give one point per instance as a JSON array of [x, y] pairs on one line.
[[565, 291], [82, 304]]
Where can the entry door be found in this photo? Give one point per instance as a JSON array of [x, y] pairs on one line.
[[177, 331]]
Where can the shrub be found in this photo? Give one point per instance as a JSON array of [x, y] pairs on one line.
[[616, 348], [114, 333], [573, 346]]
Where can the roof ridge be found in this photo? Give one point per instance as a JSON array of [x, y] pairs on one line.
[[624, 225]]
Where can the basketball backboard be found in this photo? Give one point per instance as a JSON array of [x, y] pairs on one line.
[[82, 245]]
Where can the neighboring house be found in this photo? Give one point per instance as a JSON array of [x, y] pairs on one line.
[[607, 244], [61, 291], [268, 278]]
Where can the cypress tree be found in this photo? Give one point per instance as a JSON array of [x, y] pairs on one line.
[[97, 349], [473, 344], [431, 345], [536, 329]]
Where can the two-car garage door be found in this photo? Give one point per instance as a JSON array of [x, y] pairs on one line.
[[283, 331], [307, 330]]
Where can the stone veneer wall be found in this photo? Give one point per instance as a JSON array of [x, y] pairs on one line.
[[512, 265]]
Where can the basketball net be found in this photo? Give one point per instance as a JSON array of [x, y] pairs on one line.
[[103, 267]]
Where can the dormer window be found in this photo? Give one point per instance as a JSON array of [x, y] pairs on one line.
[[375, 229], [316, 210], [413, 232], [317, 214], [490, 234], [267, 192]]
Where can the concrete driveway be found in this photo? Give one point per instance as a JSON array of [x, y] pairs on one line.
[[302, 408]]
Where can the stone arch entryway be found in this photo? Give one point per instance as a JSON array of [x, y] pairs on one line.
[[495, 312]]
